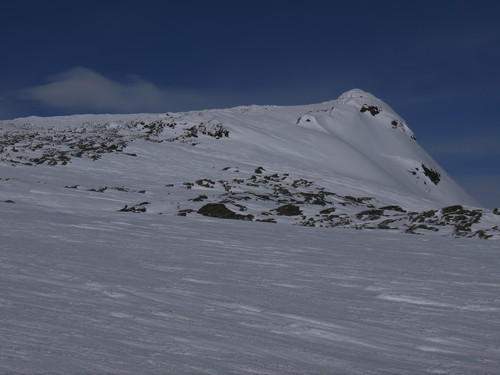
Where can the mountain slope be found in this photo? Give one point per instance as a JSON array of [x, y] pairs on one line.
[[352, 162]]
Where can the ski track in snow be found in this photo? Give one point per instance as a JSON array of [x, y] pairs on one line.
[[129, 294]]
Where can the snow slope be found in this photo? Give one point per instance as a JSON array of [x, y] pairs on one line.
[[331, 139], [352, 163], [115, 259], [142, 294]]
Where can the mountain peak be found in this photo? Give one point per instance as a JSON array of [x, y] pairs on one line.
[[360, 112], [354, 93]]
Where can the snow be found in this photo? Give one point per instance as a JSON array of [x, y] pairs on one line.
[[106, 266], [128, 294], [333, 138]]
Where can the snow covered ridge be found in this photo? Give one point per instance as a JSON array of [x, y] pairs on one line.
[[350, 163]]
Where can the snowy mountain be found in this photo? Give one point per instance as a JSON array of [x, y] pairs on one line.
[[118, 254], [352, 162]]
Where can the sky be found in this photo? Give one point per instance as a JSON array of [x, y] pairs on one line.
[[435, 62]]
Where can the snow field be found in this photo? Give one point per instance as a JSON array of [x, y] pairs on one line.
[[129, 294]]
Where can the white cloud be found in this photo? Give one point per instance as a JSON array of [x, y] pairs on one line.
[[84, 89]]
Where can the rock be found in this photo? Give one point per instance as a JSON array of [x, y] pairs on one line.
[[219, 210], [288, 210]]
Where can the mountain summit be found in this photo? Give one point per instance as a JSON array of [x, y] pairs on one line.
[[385, 144], [351, 162]]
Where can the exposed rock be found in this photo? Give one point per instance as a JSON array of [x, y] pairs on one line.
[[136, 208], [370, 214], [374, 110], [392, 208], [433, 175], [288, 210], [221, 211]]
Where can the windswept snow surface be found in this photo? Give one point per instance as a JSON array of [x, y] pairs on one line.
[[143, 294], [107, 265]]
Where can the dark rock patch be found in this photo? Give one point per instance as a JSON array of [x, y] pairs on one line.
[[270, 220], [482, 234], [432, 174], [99, 190], [302, 182], [288, 210], [374, 110], [392, 208], [370, 214], [360, 200], [312, 198], [184, 212], [413, 228], [219, 210], [385, 224], [205, 183], [136, 208], [452, 209], [422, 217]]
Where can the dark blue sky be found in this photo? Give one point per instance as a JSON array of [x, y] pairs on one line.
[[435, 62]]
